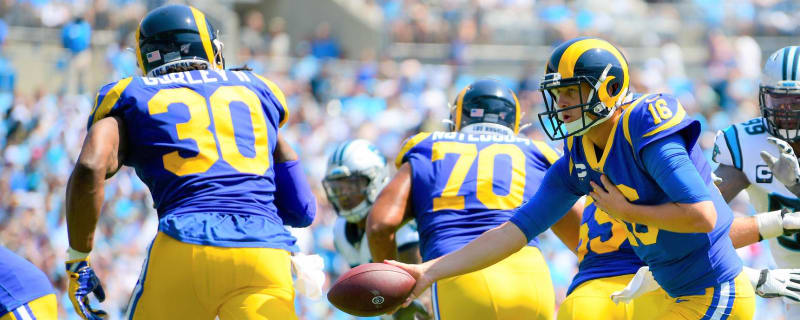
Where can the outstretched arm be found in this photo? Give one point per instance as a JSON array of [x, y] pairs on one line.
[[548, 205], [390, 211], [100, 158]]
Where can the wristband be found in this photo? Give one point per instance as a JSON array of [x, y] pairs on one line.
[[770, 224], [73, 254]]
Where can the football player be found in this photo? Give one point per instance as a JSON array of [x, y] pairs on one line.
[[461, 183], [357, 171], [768, 180], [640, 162], [25, 291], [205, 141]]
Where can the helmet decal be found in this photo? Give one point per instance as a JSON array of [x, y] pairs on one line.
[[489, 102]]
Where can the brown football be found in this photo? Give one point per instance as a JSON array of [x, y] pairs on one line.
[[371, 289]]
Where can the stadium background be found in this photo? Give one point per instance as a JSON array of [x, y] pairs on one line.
[[374, 69]]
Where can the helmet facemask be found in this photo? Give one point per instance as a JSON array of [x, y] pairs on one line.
[[780, 107], [553, 118]]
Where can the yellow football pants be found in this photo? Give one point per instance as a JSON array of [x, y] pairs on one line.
[[188, 281], [44, 308], [733, 300], [518, 287], [592, 300]]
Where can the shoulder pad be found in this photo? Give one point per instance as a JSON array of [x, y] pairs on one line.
[[727, 149], [107, 99], [655, 116], [550, 154], [278, 95], [409, 144]]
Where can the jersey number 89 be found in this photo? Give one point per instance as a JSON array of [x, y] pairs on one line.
[[197, 128]]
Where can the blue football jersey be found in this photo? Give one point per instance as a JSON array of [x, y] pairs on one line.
[[464, 184], [701, 259], [202, 141], [603, 247], [20, 281]]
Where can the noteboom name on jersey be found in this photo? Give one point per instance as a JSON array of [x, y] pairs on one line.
[[187, 78], [478, 137]]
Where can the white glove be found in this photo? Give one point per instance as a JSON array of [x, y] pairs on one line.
[[643, 282], [784, 167], [310, 275], [779, 222], [784, 283]]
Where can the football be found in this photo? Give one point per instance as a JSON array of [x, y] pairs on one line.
[[371, 289]]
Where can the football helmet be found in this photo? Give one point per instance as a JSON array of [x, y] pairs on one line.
[[486, 106], [176, 36], [356, 174], [779, 94], [590, 61]]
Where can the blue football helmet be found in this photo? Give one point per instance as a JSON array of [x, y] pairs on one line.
[[586, 60], [489, 103], [779, 94], [176, 36]]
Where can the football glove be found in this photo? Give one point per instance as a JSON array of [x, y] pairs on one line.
[[643, 282], [415, 311], [310, 273], [784, 167], [784, 283], [779, 222], [82, 281]]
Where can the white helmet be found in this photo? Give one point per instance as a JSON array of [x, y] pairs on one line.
[[356, 173], [779, 94]]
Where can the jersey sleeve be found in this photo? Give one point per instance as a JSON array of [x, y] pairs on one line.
[[277, 97], [726, 148], [552, 200], [108, 100], [655, 116], [411, 145]]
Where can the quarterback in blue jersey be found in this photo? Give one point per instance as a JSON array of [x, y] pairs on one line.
[[640, 162], [205, 141], [25, 291], [459, 184]]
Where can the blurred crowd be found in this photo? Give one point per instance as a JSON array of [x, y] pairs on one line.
[[331, 99]]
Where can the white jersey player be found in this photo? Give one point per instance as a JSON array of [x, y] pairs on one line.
[[356, 173], [745, 152]]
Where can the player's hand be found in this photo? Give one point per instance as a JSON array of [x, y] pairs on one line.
[[419, 272], [776, 223], [609, 199], [82, 281], [643, 282], [783, 283], [784, 167]]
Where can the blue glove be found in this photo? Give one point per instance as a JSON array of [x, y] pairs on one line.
[[82, 281]]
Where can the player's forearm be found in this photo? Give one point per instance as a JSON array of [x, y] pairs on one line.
[[491, 247], [85, 193], [744, 232], [697, 217], [567, 228], [382, 245], [296, 204]]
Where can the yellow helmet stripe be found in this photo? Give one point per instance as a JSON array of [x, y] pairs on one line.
[[459, 105], [205, 38], [139, 51], [566, 65], [517, 110]]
